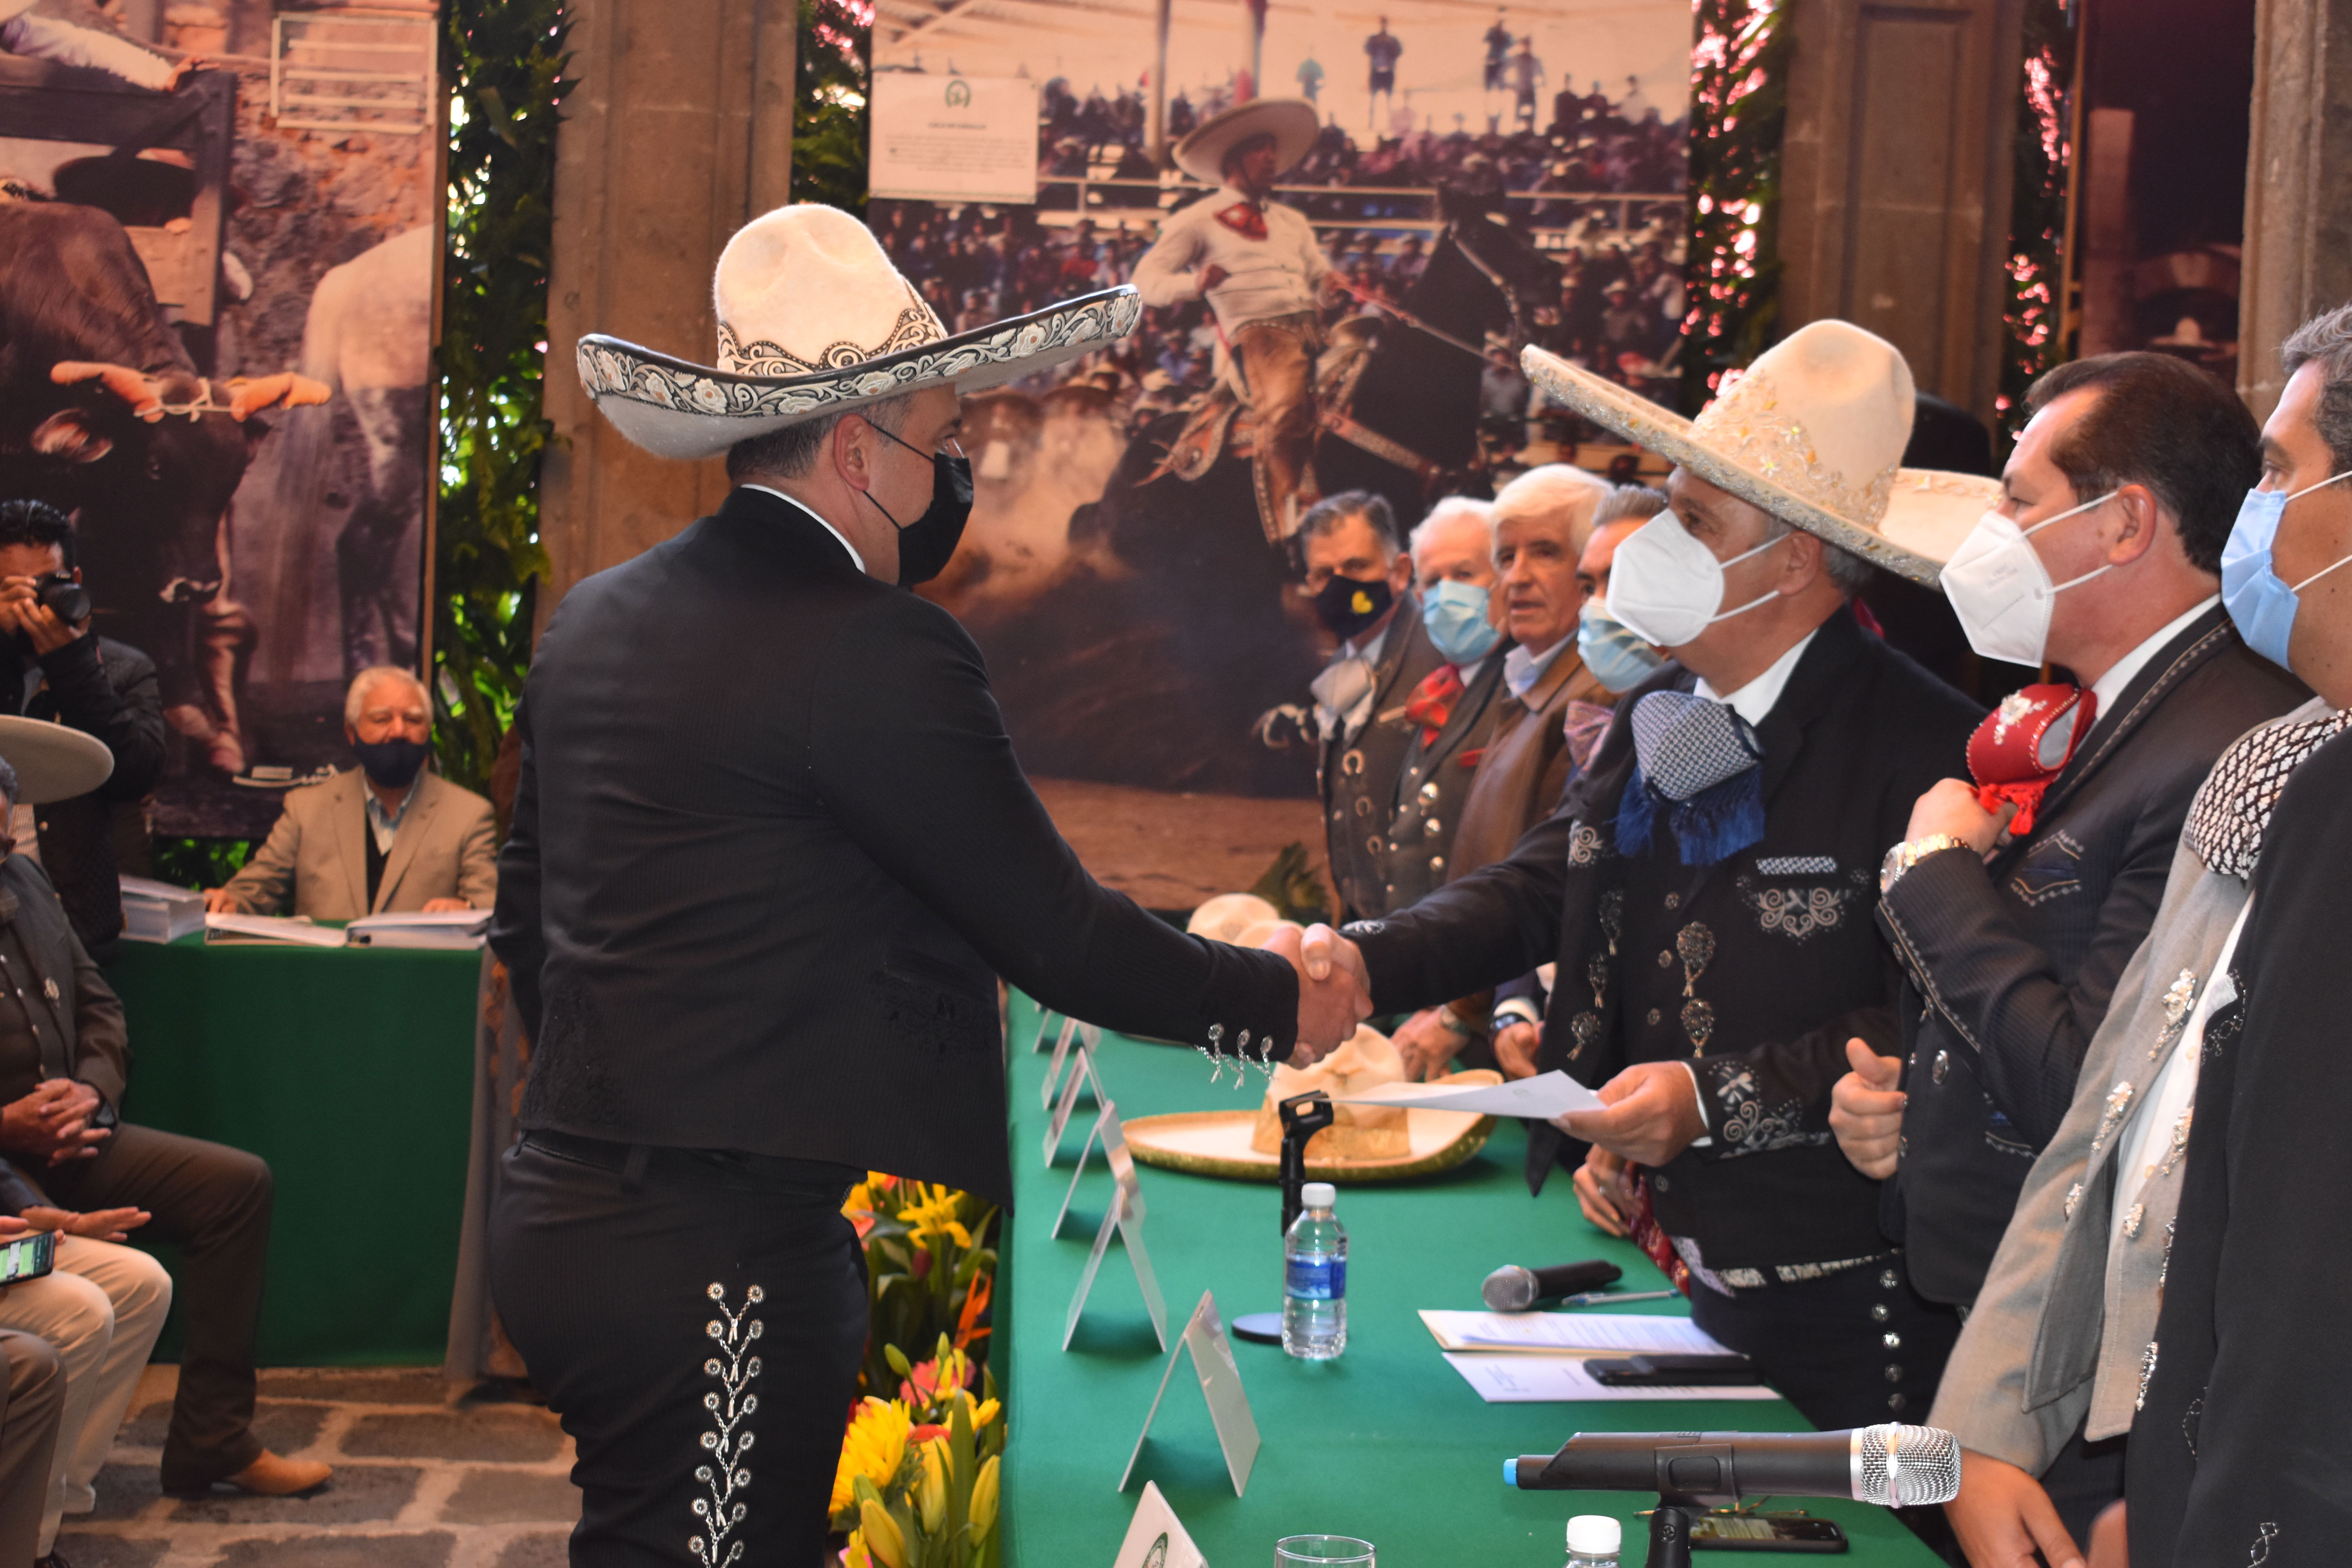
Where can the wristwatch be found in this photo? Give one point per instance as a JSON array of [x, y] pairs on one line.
[[1910, 852]]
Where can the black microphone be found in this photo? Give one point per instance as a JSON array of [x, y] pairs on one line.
[[1893, 1466], [1512, 1289]]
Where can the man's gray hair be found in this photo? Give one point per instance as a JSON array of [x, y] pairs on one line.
[[2326, 341], [1850, 572], [1448, 510], [790, 453], [1628, 503], [355, 695], [1551, 491]]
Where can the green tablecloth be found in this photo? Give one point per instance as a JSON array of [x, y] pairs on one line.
[[1388, 1443], [351, 1071]]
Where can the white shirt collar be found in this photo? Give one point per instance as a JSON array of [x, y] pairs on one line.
[[1370, 650], [804, 506], [1522, 669], [2109, 688], [1755, 700]]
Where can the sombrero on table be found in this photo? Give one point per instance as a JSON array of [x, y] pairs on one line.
[[52, 763], [813, 319], [1289, 120], [1813, 433]]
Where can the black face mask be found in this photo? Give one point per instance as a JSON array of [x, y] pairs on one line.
[[1349, 605], [926, 544], [393, 764]]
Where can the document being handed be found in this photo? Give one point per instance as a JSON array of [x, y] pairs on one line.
[[1543, 1097]]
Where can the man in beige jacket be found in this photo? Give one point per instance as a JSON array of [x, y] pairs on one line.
[[390, 835]]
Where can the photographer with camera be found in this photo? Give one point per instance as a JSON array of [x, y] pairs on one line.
[[65, 672]]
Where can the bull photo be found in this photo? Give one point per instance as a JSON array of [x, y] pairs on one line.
[[215, 331], [1345, 224]]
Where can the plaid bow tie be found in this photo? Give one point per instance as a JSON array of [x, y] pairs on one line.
[[1699, 763], [2232, 808], [1432, 702], [1245, 218]]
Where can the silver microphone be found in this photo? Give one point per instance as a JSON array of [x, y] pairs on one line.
[[1893, 1466]]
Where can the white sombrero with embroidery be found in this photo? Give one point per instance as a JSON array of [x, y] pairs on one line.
[[1813, 433], [813, 319], [1289, 120]]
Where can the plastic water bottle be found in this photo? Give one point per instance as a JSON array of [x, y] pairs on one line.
[[1314, 1279], [1593, 1540]]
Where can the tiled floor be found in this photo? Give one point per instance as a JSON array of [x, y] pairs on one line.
[[423, 1479]]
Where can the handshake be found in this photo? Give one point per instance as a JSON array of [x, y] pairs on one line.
[[1335, 993]]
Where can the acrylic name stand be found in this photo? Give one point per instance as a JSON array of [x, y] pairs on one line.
[[1125, 1215], [1220, 1386]]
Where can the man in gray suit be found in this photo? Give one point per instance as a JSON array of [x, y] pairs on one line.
[[391, 835], [2058, 1349]]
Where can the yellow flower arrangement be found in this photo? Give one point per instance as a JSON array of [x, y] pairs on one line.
[[873, 1448]]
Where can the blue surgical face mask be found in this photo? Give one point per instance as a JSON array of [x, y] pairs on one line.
[[1618, 658], [2261, 604], [1455, 615]]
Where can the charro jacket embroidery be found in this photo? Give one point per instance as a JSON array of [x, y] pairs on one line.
[[1748, 1125], [730, 1405]]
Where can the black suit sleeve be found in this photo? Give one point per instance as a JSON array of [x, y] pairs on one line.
[[114, 699], [910, 756], [516, 934], [1475, 932], [1997, 986]]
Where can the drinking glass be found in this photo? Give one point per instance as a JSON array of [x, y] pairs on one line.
[[1322, 1552]]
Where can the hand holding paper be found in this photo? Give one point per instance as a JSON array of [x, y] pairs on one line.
[[1650, 1114]]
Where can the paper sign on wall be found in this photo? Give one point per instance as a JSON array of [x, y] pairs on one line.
[[953, 137], [1220, 1386], [1125, 1215], [1156, 1538]]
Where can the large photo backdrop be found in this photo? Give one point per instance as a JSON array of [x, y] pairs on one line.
[[189, 227], [1483, 177]]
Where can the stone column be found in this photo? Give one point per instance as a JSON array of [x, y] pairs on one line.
[[680, 129], [2298, 247], [1895, 179]]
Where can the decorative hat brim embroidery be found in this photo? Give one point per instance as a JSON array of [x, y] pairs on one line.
[[1853, 517], [676, 408]]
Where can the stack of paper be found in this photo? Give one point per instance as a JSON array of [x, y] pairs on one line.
[[158, 911], [270, 928], [450, 929], [1531, 1357]]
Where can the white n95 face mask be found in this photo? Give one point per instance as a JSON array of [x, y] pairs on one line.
[[2002, 592], [1667, 586]]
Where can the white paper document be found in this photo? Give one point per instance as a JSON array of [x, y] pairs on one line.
[[1543, 1097], [1520, 1379], [1591, 1333], [270, 928]]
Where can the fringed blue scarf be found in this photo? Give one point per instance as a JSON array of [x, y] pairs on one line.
[[1701, 765]]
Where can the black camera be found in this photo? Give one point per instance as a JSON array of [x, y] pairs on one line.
[[65, 598]]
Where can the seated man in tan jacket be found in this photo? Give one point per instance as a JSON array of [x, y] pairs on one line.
[[391, 835]]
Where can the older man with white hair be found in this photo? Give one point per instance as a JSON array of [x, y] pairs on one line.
[[389, 836]]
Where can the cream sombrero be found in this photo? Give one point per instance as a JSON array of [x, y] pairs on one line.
[[1813, 433], [52, 763], [1289, 120], [813, 319]]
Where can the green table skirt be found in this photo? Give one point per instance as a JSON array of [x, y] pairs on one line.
[[1388, 1443], [351, 1071]]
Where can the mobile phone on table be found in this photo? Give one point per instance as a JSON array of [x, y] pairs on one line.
[[1674, 1370], [27, 1257], [1761, 1532]]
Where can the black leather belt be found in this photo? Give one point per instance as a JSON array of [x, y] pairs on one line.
[[731, 1167]]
